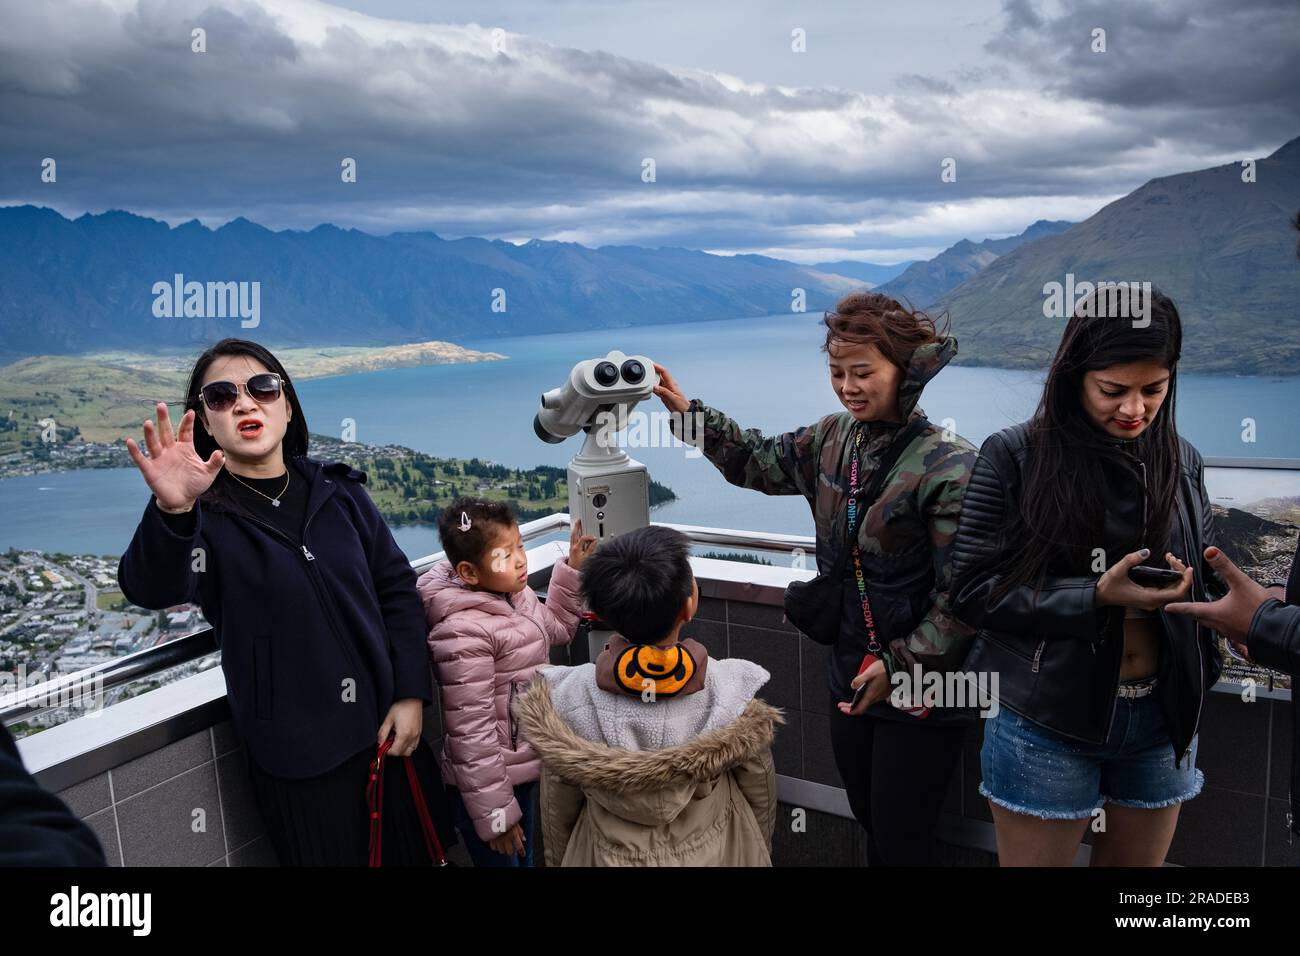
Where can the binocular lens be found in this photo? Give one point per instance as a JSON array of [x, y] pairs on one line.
[[633, 371], [606, 373]]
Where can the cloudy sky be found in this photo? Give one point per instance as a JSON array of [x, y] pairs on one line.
[[527, 119]]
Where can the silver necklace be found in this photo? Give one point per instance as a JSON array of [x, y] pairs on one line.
[[276, 500]]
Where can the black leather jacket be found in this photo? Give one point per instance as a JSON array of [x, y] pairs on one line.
[[1057, 655]]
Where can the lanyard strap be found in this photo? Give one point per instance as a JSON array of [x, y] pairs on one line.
[[902, 439], [873, 645]]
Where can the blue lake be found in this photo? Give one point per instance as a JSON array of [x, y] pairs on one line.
[[766, 373]]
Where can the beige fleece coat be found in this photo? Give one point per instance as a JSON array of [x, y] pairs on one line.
[[708, 802]]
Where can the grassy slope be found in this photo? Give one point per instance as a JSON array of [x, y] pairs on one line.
[[108, 395]]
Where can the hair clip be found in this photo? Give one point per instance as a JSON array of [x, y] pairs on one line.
[[464, 521]]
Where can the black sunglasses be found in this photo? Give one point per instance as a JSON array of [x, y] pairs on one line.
[[219, 396]]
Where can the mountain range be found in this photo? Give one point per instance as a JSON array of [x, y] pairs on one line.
[[71, 285], [1223, 249], [924, 283], [869, 272], [1221, 246]]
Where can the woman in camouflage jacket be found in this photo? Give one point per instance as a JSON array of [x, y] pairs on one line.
[[896, 766]]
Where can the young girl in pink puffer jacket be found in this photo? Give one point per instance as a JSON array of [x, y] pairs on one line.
[[488, 633]]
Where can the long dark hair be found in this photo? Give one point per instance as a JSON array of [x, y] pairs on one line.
[[295, 436], [1062, 504]]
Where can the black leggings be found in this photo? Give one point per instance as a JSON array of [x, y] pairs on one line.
[[896, 774]]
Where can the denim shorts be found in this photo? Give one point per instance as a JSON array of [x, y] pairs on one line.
[[1030, 769]]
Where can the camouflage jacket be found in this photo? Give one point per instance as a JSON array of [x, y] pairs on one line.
[[905, 537]]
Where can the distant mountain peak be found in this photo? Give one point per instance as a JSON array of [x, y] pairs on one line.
[[116, 216], [1288, 150], [240, 224], [28, 211], [924, 283], [1047, 225]]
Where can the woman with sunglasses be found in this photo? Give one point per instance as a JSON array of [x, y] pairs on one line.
[[314, 607]]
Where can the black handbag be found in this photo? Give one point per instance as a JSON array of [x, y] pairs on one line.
[[815, 606]]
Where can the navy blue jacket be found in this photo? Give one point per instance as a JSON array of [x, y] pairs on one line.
[[317, 641]]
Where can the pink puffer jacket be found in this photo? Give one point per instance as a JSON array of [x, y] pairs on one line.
[[485, 648]]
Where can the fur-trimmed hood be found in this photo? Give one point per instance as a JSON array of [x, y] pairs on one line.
[[647, 786]]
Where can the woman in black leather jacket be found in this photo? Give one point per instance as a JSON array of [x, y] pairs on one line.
[[1100, 691]]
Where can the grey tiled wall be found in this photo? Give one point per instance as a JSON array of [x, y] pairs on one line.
[[188, 804], [144, 810]]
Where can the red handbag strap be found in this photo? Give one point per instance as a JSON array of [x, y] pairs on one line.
[[375, 802], [426, 823]]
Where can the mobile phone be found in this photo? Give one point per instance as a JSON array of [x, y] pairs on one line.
[[1150, 577], [920, 712]]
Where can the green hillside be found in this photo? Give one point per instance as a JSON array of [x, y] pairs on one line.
[[1222, 249]]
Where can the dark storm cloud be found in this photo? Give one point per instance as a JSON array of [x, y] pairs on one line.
[[537, 139], [1192, 61]]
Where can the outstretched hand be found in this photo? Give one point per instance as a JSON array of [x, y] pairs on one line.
[[174, 471], [669, 391], [1231, 614]]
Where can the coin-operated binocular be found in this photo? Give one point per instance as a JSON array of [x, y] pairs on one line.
[[608, 490]]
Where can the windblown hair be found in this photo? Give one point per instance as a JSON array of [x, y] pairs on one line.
[[872, 318]]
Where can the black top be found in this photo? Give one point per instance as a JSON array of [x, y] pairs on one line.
[[288, 518]]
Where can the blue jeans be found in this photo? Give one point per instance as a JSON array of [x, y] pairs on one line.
[[1030, 769], [479, 851]]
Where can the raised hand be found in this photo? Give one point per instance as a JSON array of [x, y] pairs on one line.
[[669, 391], [174, 471], [1230, 615], [580, 545]]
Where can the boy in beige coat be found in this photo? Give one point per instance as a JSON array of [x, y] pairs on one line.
[[655, 755]]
